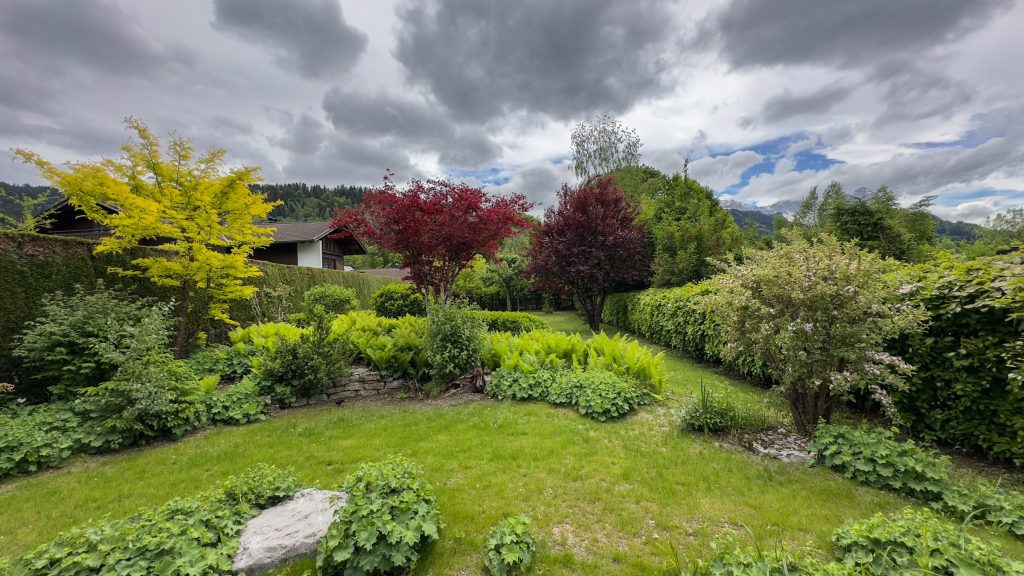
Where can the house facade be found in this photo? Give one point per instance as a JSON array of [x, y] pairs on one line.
[[311, 244]]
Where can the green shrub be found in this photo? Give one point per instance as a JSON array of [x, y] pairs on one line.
[[185, 537], [597, 393], [306, 366], [251, 345], [220, 360], [239, 403], [515, 322], [390, 514], [543, 349], [510, 546], [917, 542], [331, 298], [987, 503], [967, 388], [396, 348], [513, 385], [397, 300], [709, 413], [872, 456], [80, 337], [36, 437], [817, 315], [455, 341]]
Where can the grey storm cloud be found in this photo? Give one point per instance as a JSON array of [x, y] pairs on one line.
[[342, 159], [914, 93], [788, 105], [484, 59], [410, 122], [840, 33], [310, 37]]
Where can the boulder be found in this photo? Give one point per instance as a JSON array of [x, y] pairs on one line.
[[287, 531]]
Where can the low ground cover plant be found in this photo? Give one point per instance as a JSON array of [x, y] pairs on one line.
[[186, 536], [514, 322], [594, 392], [389, 516], [42, 436], [510, 546], [908, 542], [240, 403]]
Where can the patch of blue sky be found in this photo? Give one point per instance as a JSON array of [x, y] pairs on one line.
[[493, 176]]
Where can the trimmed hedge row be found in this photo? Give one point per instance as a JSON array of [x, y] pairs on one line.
[[33, 265]]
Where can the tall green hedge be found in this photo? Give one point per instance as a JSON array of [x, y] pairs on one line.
[[968, 387], [32, 265]]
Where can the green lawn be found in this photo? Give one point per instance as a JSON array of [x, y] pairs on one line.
[[605, 498]]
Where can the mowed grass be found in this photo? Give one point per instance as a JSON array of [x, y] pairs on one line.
[[606, 498]]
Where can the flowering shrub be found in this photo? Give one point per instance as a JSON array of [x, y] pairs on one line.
[[816, 315]]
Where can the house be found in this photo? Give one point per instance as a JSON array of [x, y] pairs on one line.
[[310, 244]]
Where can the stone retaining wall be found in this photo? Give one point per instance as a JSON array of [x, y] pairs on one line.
[[360, 382]]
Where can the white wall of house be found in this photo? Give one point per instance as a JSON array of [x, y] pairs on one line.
[[310, 254]]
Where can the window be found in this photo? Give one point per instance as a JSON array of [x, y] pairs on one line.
[[330, 263]]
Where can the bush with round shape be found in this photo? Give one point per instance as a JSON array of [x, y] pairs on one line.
[[514, 322], [455, 342], [333, 299], [510, 546], [389, 516], [397, 300], [598, 394], [514, 385]]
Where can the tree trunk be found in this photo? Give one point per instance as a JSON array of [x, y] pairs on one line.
[[590, 312], [508, 300], [180, 342]]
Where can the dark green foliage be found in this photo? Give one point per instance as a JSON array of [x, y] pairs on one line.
[[515, 322], [872, 456], [36, 437], [301, 202], [917, 542], [333, 299], [967, 389], [306, 366], [15, 192], [510, 546], [77, 340], [32, 266], [389, 516], [397, 300], [239, 403], [516, 385], [455, 341], [186, 536], [685, 222], [220, 360], [597, 393], [987, 503]]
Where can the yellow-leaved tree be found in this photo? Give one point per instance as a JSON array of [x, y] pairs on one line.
[[200, 216]]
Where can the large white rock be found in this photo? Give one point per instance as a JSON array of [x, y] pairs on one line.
[[286, 531]]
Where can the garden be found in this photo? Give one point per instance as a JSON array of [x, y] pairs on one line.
[[149, 426]]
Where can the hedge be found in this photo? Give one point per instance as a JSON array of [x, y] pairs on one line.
[[967, 387], [32, 265]]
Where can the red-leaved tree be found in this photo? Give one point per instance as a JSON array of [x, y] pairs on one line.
[[587, 245], [436, 226]]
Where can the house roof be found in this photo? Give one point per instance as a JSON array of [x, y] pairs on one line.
[[290, 232]]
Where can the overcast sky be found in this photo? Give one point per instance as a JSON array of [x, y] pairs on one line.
[[766, 98]]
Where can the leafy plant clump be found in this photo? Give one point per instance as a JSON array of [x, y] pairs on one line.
[[510, 546], [77, 341], [397, 300], [709, 413], [987, 503], [330, 298], [305, 366], [186, 536], [598, 393], [455, 342], [240, 403], [396, 348], [389, 516], [514, 385], [42, 436], [514, 322], [872, 456]]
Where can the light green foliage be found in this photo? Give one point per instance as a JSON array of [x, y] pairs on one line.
[[1004, 230], [389, 515], [597, 393], [333, 299], [967, 386], [186, 536], [397, 300], [220, 360], [251, 345], [917, 542], [602, 145], [306, 366], [510, 546], [28, 213], [714, 413], [79, 339], [455, 342], [816, 315], [985, 502], [240, 403], [515, 322], [395, 348], [685, 221], [515, 385], [876, 222], [36, 437], [872, 456], [542, 349]]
